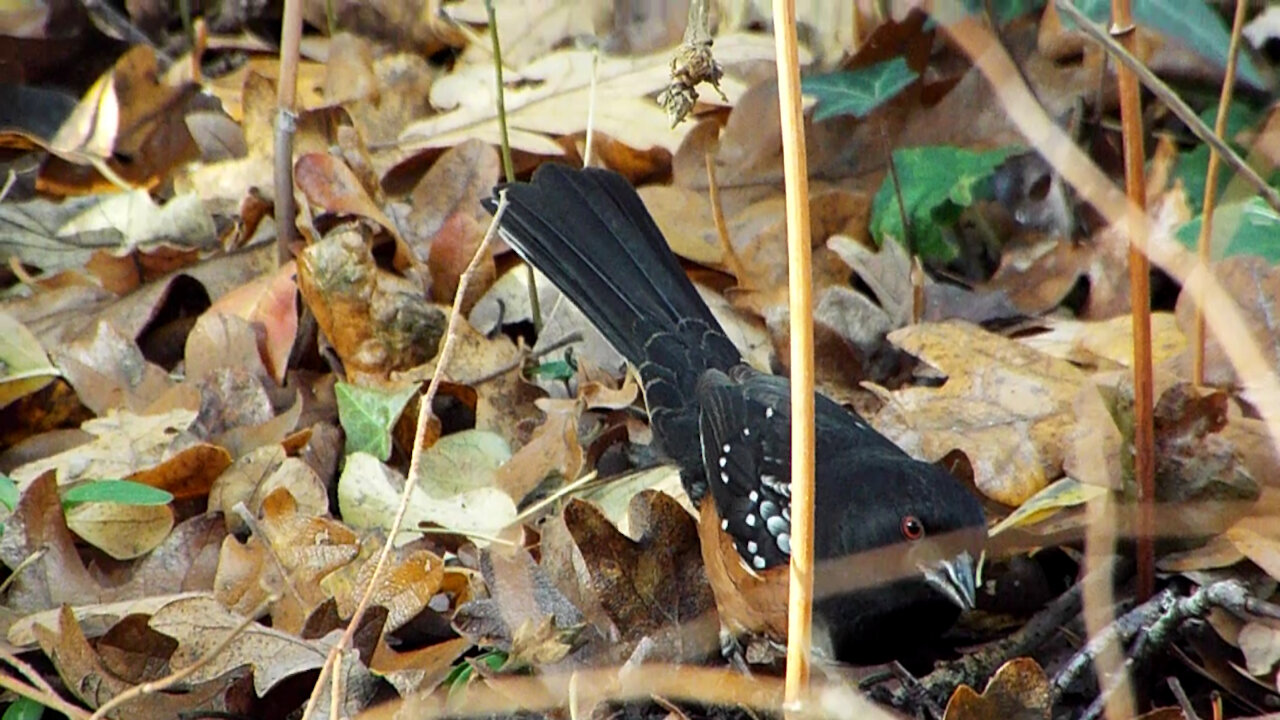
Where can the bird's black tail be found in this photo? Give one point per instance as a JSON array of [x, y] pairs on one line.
[[590, 234]]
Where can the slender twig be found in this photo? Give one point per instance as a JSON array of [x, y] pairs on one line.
[[411, 480], [1203, 243], [731, 261], [508, 165], [26, 671], [39, 691], [799, 280]]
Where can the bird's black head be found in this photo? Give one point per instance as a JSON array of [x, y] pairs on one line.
[[907, 531]]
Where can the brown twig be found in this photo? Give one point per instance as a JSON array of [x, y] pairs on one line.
[[39, 690]]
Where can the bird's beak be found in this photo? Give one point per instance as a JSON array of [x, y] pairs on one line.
[[954, 578]]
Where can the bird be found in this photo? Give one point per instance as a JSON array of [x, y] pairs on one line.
[[895, 538]]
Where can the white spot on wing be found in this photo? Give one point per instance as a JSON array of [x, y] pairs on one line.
[[750, 520]]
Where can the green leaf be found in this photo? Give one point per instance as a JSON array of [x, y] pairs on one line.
[[456, 680], [858, 92], [23, 709], [8, 492], [368, 414], [1194, 23], [554, 370], [124, 492], [937, 184], [1246, 228]]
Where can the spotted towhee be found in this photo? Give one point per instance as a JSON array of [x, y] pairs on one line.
[[895, 538]]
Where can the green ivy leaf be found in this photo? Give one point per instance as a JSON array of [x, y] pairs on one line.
[[1251, 227], [937, 184], [123, 492], [368, 414], [858, 92]]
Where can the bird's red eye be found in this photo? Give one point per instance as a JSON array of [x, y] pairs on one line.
[[912, 528]]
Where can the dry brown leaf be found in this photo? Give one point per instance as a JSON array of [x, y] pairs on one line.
[[1105, 344], [1019, 690], [128, 113], [221, 341], [1008, 407], [653, 587], [553, 449], [270, 304], [87, 677], [109, 372], [504, 401], [520, 596], [36, 536], [448, 223], [151, 439], [377, 322], [1255, 284], [405, 587], [306, 548], [418, 670], [94, 618], [200, 623]]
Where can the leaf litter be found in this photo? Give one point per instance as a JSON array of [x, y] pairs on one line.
[[987, 333]]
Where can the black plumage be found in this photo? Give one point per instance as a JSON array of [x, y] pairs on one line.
[[727, 425]]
